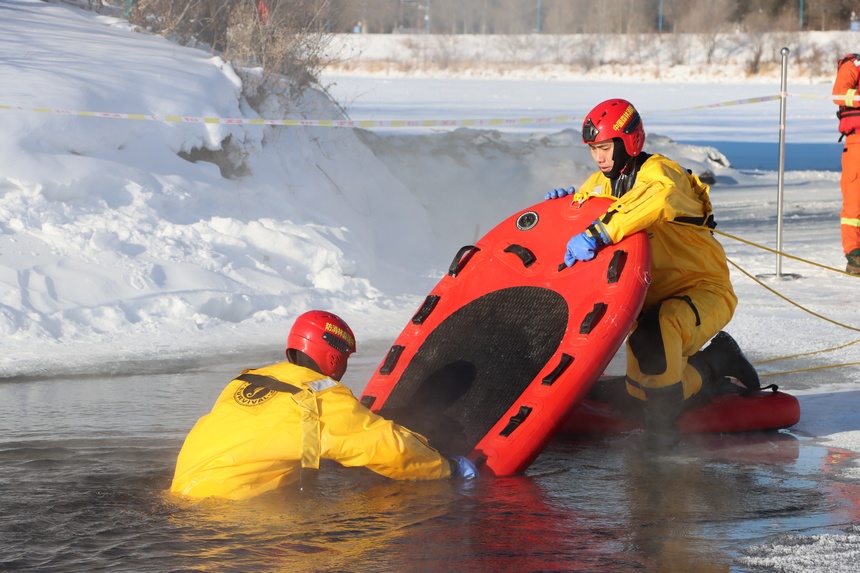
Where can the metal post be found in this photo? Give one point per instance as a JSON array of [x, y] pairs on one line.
[[801, 15], [537, 23], [660, 18], [783, 92], [427, 16]]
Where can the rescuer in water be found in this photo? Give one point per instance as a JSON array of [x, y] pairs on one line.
[[271, 426]]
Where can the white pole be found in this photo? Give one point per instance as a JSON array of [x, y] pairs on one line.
[[781, 173]]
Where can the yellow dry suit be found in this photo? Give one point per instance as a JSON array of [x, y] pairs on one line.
[[690, 298], [271, 422]]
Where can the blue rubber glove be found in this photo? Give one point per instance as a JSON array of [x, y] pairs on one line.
[[462, 467], [581, 247], [584, 246], [558, 193]]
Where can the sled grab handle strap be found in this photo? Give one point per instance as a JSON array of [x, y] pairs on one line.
[[616, 265], [367, 401], [515, 421], [461, 258], [564, 361], [592, 318], [426, 309], [526, 256], [391, 359]]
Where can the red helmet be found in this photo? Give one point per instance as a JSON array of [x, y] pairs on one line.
[[325, 338], [615, 118]]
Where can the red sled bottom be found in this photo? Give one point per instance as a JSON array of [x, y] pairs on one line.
[[512, 339]]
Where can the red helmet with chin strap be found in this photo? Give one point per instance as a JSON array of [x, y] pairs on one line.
[[615, 118], [325, 338]]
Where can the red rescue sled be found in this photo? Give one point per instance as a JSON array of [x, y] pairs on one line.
[[511, 339], [739, 411]]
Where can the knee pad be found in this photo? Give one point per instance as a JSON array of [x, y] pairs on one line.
[[646, 343]]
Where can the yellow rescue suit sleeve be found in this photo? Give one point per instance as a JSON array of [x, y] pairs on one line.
[[353, 436], [257, 439], [682, 256]]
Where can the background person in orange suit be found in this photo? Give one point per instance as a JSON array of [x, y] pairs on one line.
[[845, 87]]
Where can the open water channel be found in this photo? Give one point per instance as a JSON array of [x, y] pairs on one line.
[[85, 462]]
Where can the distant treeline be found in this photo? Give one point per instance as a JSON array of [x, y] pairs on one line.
[[290, 40], [213, 17]]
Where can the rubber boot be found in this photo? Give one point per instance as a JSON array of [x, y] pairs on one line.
[[610, 390], [722, 358], [661, 412], [853, 265]]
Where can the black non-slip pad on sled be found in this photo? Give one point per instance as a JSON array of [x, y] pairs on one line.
[[474, 365]]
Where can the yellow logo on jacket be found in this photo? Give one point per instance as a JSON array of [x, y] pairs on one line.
[[249, 394]]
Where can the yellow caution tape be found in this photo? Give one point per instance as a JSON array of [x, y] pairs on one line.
[[299, 122], [364, 123]]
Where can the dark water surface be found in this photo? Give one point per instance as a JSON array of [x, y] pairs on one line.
[[84, 463]]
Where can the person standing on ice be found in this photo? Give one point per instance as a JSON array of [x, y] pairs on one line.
[[271, 426], [690, 298], [845, 86]]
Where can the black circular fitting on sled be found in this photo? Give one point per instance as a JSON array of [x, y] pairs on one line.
[[527, 220]]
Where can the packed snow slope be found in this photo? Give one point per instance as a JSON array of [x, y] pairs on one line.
[[117, 245]]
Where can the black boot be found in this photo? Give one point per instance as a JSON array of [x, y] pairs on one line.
[[853, 265], [721, 358], [661, 412]]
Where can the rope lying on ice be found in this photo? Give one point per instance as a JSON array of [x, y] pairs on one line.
[[796, 305]]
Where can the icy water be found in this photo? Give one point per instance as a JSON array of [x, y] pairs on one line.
[[85, 462]]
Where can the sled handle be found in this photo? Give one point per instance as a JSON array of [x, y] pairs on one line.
[[461, 258], [526, 256]]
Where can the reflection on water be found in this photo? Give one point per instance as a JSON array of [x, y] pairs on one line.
[[84, 464]]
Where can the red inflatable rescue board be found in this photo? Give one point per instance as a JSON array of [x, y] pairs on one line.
[[511, 339], [742, 411]]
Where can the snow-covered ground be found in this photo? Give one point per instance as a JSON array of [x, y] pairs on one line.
[[633, 58], [117, 249]]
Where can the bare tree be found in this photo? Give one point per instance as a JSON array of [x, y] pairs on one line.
[[587, 53], [755, 25], [706, 20], [285, 38], [560, 48]]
